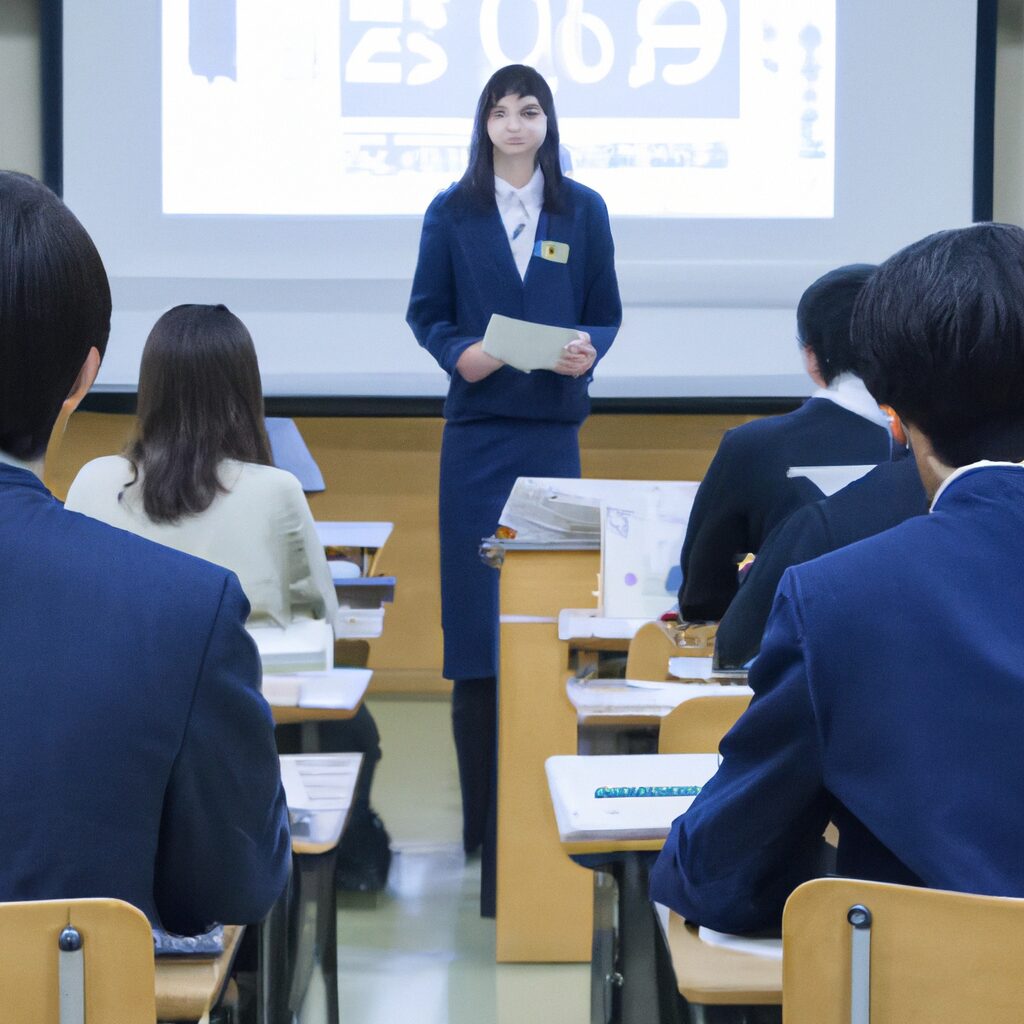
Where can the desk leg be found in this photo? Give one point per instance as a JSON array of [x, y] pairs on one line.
[[605, 981], [637, 938], [315, 930], [273, 968]]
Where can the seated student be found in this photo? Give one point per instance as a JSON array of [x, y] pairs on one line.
[[890, 684], [197, 476], [885, 497], [138, 754], [745, 492]]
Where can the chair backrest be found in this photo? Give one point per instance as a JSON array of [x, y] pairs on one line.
[[697, 725], [116, 958], [649, 651], [926, 955]]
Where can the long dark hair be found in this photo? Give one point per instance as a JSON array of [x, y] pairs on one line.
[[200, 401], [513, 80]]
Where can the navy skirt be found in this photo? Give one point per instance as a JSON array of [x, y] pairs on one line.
[[480, 462]]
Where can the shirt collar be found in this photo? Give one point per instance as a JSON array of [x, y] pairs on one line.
[[848, 391], [962, 470], [531, 194], [10, 460]]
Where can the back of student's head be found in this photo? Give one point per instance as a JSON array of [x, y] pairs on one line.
[[823, 318], [54, 307], [200, 401], [941, 329]]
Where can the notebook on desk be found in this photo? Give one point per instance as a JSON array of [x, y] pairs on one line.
[[305, 645]]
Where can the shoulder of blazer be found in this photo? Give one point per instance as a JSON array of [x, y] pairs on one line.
[[454, 206], [580, 197]]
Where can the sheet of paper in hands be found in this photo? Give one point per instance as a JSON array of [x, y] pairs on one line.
[[524, 345]]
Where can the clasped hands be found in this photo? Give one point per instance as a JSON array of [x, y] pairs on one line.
[[577, 358]]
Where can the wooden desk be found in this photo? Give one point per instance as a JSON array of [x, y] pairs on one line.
[[544, 901], [341, 691], [705, 974], [187, 988], [320, 788], [625, 703]]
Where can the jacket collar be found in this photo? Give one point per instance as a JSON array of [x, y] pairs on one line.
[[964, 470]]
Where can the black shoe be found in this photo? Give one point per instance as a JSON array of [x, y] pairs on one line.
[[364, 858]]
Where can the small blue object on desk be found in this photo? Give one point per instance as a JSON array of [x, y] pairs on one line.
[[603, 792]]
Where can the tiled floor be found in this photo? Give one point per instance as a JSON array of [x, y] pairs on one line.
[[419, 953]]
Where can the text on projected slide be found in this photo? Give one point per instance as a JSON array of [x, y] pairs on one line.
[[694, 108]]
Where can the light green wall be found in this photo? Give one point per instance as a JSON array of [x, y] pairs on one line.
[[21, 146]]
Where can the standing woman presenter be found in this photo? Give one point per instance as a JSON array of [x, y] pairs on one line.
[[483, 250]]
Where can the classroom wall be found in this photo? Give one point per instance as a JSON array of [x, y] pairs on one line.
[[21, 133], [387, 469], [379, 468]]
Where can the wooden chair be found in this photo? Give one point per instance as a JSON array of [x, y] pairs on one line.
[[113, 962], [856, 951], [656, 642], [698, 725]]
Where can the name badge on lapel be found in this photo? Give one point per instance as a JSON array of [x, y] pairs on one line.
[[557, 252]]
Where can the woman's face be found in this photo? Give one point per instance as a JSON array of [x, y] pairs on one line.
[[517, 125]]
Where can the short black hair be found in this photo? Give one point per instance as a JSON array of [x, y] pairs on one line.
[[54, 307], [823, 318], [200, 401], [941, 330], [513, 80]]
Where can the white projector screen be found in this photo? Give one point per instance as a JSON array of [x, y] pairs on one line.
[[277, 155]]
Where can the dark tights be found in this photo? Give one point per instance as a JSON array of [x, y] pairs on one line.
[[475, 728]]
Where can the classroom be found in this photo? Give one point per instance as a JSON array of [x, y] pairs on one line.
[[277, 175]]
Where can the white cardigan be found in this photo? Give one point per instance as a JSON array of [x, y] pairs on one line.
[[261, 529]]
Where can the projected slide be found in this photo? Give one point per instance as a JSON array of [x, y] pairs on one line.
[[670, 108]]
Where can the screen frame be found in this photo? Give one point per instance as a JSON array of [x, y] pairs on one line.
[[52, 59]]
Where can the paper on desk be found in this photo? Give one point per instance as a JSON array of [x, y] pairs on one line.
[[334, 688], [624, 696], [690, 668], [829, 479], [353, 535], [583, 623], [302, 645], [319, 782], [526, 346], [770, 948]]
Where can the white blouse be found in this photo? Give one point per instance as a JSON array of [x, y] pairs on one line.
[[520, 213]]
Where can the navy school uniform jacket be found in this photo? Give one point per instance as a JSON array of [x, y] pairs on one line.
[[888, 697], [466, 272], [137, 756], [884, 498], [745, 493]]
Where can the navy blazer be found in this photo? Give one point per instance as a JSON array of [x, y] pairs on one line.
[[889, 694], [137, 758], [745, 493], [466, 272], [882, 499]]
